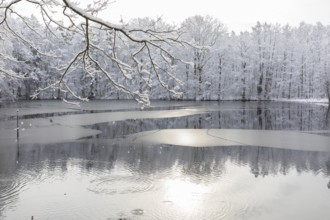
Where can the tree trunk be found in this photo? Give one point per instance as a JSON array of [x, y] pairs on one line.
[[220, 73], [302, 78], [243, 81], [260, 82], [327, 117], [259, 88], [187, 82], [328, 91]]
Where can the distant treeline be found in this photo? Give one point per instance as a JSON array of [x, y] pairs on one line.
[[269, 62]]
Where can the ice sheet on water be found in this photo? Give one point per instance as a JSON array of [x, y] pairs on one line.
[[68, 127], [95, 118], [45, 135], [293, 140]]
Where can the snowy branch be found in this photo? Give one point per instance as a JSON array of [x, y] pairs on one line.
[[84, 22]]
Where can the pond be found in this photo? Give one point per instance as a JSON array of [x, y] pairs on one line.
[[174, 160]]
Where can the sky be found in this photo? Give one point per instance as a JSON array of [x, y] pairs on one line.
[[237, 15]]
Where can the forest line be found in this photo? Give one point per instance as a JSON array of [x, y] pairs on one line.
[[270, 62]]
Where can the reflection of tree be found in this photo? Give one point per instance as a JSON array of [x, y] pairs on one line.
[[94, 156], [327, 167], [327, 118], [197, 164], [261, 115]]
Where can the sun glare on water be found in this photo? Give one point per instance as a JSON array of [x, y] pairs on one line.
[[186, 138], [185, 195]]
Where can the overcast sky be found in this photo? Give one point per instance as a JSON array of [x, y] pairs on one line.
[[237, 15]]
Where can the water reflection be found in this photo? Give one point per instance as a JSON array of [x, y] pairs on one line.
[[258, 116], [327, 118], [96, 179], [115, 170], [153, 159]]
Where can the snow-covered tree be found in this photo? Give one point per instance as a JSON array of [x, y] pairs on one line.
[[83, 20], [72, 53], [202, 31]]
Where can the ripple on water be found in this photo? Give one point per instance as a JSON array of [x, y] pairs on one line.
[[225, 209], [9, 189], [170, 210], [12, 185], [121, 184]]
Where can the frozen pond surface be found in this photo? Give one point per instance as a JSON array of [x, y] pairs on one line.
[[176, 160]]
